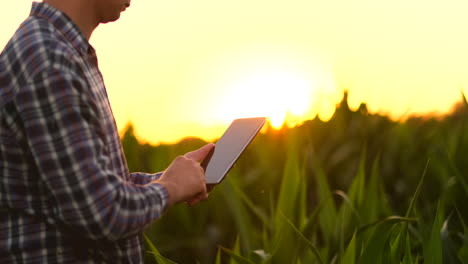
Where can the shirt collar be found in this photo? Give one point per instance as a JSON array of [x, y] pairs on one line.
[[64, 24]]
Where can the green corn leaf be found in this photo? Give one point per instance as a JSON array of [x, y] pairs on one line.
[[308, 243], [302, 216], [397, 248], [408, 258], [311, 223], [417, 192], [155, 252], [377, 244], [236, 258], [390, 219], [348, 213], [237, 249], [345, 219], [266, 240], [465, 227], [463, 254], [347, 201], [239, 213], [259, 256], [448, 245], [288, 195], [463, 250], [287, 203], [349, 256], [271, 255], [433, 246], [253, 208], [218, 257], [460, 177], [328, 212], [374, 203], [357, 189]]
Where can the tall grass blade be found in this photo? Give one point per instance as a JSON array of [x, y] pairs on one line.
[[418, 191], [460, 177], [302, 204], [349, 256], [345, 218], [408, 258], [236, 250], [287, 203], [377, 244], [347, 201], [240, 214], [218, 257], [463, 251], [357, 189], [235, 257], [253, 208], [374, 204], [328, 213], [259, 256], [311, 223], [399, 244], [288, 195], [311, 246], [448, 248], [354, 200], [433, 246], [463, 254], [390, 219], [155, 252], [462, 221]]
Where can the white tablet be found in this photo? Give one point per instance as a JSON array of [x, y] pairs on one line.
[[229, 147]]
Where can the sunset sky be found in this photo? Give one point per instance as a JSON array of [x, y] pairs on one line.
[[186, 68]]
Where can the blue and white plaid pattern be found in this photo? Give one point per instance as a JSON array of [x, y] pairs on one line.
[[66, 195]]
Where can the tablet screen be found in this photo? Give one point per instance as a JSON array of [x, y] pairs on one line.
[[230, 146]]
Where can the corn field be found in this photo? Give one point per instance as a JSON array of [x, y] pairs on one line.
[[360, 188]]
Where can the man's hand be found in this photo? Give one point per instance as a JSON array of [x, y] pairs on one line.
[[184, 179]]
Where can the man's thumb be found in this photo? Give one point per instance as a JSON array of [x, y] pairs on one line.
[[200, 154]]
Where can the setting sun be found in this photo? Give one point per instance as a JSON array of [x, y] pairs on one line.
[[267, 92]]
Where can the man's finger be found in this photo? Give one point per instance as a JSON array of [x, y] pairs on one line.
[[198, 198], [200, 154]]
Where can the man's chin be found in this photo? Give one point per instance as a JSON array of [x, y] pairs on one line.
[[111, 19]]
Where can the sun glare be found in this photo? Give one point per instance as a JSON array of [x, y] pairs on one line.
[[274, 93], [277, 121]]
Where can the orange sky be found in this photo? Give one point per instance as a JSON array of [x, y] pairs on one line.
[[187, 68]]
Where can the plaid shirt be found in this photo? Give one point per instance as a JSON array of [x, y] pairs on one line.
[[66, 195]]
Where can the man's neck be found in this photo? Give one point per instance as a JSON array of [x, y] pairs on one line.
[[81, 13]]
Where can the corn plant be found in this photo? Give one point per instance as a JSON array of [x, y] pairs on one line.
[[360, 188]]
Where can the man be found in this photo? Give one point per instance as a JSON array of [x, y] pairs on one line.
[[66, 195]]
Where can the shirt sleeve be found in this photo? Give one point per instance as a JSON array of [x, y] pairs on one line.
[[144, 178], [67, 141]]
